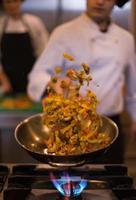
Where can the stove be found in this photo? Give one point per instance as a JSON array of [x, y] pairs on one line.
[[43, 182]]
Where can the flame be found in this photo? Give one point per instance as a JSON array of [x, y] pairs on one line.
[[69, 185]]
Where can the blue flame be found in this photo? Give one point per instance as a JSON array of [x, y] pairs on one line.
[[70, 186]]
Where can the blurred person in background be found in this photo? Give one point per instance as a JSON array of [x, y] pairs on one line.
[[108, 50], [22, 39]]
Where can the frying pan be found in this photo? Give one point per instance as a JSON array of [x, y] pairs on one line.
[[31, 132]]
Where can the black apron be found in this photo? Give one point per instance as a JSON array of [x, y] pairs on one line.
[[17, 57], [116, 153]]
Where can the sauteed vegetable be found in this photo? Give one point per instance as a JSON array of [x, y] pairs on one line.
[[72, 119]]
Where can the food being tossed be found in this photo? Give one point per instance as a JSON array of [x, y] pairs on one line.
[[72, 118]]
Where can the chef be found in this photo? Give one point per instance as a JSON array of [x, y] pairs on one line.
[[109, 51], [22, 39]]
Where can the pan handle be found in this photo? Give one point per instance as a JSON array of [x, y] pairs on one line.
[[66, 164]]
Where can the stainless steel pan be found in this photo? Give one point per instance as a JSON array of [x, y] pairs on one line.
[[31, 133]]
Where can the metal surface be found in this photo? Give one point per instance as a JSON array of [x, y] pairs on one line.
[[31, 134], [11, 119]]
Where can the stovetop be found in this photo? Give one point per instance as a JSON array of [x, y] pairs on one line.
[[33, 182]]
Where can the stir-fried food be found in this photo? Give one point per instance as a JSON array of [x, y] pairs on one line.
[[72, 119]]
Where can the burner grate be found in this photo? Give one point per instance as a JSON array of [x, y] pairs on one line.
[[4, 171], [27, 178]]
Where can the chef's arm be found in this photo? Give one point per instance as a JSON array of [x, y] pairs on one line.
[[42, 71], [4, 82]]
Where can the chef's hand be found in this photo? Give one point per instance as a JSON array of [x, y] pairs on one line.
[[58, 86], [5, 83], [133, 132]]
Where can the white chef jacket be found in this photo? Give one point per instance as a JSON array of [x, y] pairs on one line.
[[32, 24], [108, 54]]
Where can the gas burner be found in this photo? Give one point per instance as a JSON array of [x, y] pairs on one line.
[[89, 182], [44, 197], [68, 185], [79, 197], [90, 195]]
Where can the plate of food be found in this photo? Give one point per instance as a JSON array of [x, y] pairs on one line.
[[18, 102]]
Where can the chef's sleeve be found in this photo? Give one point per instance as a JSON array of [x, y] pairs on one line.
[[42, 71]]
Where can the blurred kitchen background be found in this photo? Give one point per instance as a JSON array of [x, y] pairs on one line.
[[53, 13]]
